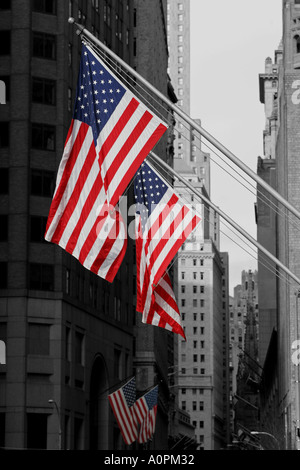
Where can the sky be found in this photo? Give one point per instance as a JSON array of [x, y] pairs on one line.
[[229, 44]]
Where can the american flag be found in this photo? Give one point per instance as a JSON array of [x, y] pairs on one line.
[[163, 223], [145, 410], [122, 401], [110, 135]]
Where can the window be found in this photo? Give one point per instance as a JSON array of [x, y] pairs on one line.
[[183, 405], [43, 91], [5, 5], [297, 41], [202, 289], [201, 424], [4, 134], [194, 275], [3, 336], [182, 275], [41, 276], [182, 302], [37, 228], [44, 45], [202, 330], [194, 405], [4, 42], [201, 406], [43, 137], [194, 302], [195, 316], [45, 6], [3, 228], [202, 358], [195, 344], [183, 289], [6, 80], [194, 289], [42, 183], [79, 348], [37, 431], [195, 358], [38, 339], [3, 275], [297, 2], [202, 371]]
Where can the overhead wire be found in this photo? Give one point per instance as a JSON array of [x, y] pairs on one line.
[[135, 86], [266, 263]]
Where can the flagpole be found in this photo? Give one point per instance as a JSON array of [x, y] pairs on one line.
[[226, 217], [190, 121]]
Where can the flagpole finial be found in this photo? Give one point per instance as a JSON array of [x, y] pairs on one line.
[[71, 20]]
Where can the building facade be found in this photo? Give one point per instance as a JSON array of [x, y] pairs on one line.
[[280, 397], [202, 271], [67, 337]]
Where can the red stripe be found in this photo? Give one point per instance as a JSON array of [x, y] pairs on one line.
[[74, 152], [125, 149], [124, 420], [109, 242], [138, 160], [88, 205], [115, 133], [166, 297], [76, 194], [111, 273]]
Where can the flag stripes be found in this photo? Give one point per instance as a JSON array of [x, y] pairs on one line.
[[122, 402], [79, 206], [163, 223]]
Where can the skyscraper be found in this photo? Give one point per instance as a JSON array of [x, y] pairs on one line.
[[202, 271], [67, 337]]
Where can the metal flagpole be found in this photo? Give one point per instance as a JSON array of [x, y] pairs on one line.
[[190, 121], [226, 217]]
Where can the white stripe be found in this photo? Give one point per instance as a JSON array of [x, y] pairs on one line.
[[121, 417], [89, 223], [77, 213], [71, 183], [126, 163]]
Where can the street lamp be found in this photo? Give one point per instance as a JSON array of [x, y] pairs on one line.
[[254, 433], [53, 402]]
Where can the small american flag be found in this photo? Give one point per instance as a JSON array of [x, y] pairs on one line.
[[163, 223], [110, 135], [122, 401], [145, 410]]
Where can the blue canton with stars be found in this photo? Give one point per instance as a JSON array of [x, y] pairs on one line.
[[149, 189], [151, 398], [129, 391], [98, 93]]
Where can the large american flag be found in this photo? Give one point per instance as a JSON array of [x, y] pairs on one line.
[[110, 135], [163, 223], [145, 410], [122, 401]]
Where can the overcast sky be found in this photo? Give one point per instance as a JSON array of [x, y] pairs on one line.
[[229, 44]]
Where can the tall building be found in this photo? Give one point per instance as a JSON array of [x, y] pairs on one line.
[[202, 271], [249, 370], [280, 383], [66, 335]]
